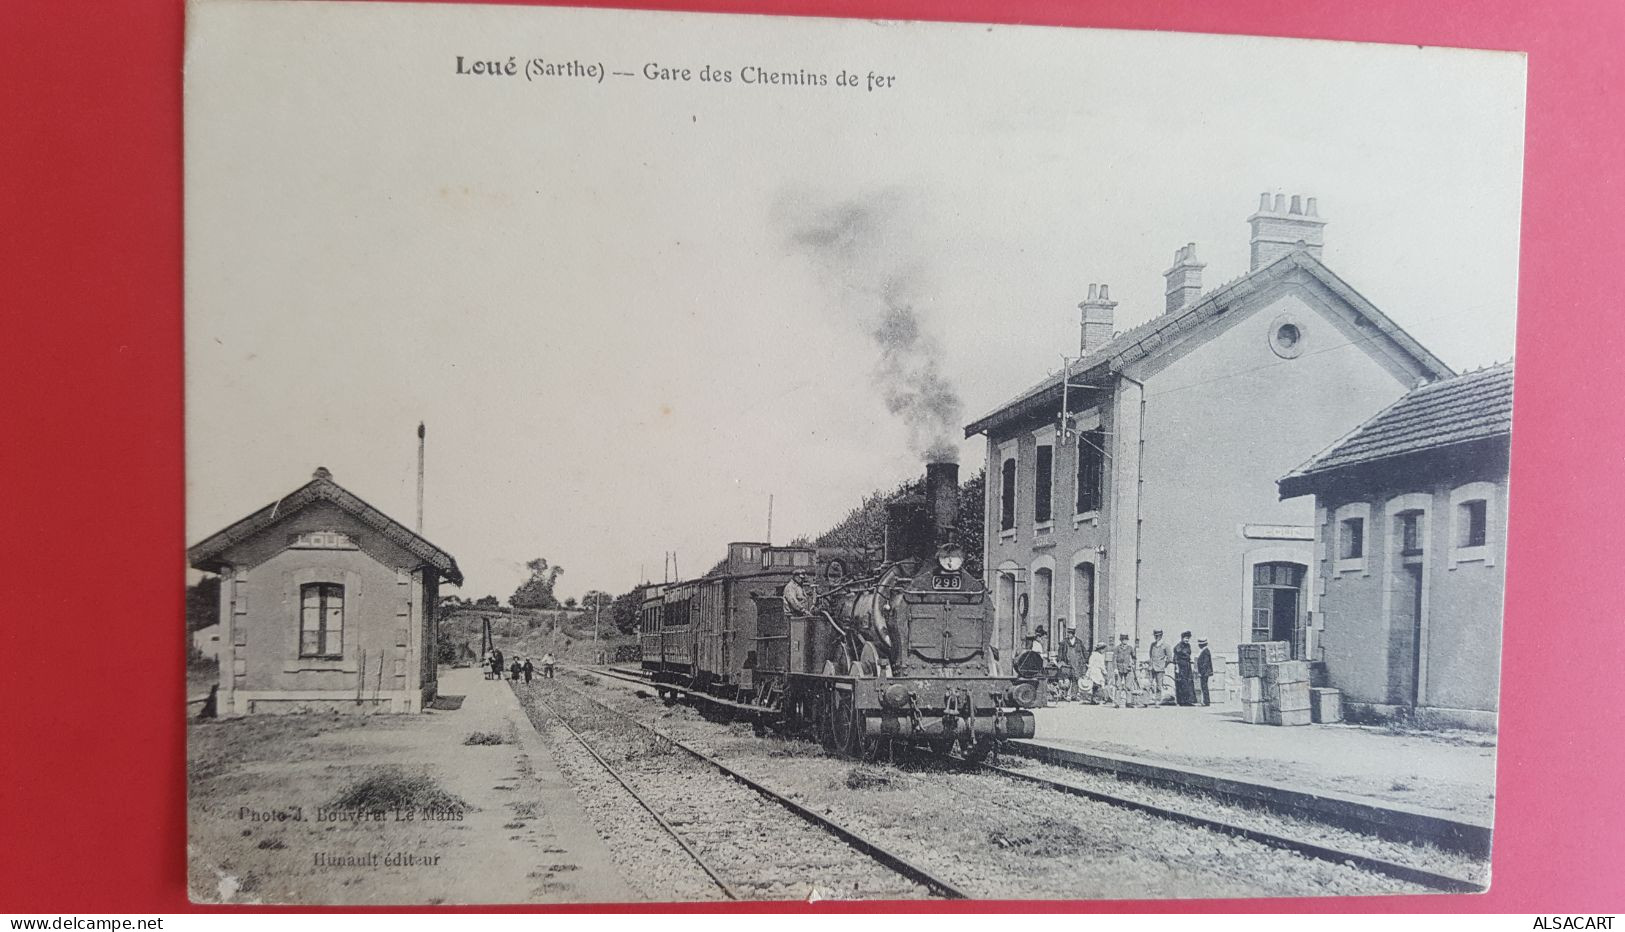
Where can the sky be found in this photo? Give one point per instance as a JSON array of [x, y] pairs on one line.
[[631, 310]]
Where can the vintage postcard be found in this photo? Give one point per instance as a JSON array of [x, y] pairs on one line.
[[656, 457]]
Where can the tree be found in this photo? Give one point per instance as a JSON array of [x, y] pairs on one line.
[[487, 601], [537, 591], [972, 530], [570, 602], [623, 612], [202, 603], [596, 598]]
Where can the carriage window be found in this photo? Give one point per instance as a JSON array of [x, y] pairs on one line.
[[321, 620]]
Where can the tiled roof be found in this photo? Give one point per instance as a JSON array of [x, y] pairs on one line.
[[205, 555], [1473, 406], [1166, 329]]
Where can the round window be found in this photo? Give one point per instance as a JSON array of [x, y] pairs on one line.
[[1286, 336]]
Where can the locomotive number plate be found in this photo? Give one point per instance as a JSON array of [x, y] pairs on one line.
[[945, 582]]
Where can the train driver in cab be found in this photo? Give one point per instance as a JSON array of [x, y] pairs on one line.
[[798, 594]]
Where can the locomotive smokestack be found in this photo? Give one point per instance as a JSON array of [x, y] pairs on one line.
[[942, 500]]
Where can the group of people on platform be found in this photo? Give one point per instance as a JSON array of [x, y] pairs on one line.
[[1102, 675], [517, 668]]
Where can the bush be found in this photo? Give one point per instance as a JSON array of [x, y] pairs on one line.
[[485, 737], [394, 788]]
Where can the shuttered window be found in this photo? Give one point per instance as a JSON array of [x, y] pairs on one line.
[[1044, 482]]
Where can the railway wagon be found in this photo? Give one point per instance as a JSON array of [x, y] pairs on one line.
[[900, 654], [696, 634]]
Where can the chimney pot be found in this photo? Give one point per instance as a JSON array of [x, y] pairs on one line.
[[1283, 229], [1184, 279], [1264, 202], [1098, 315]]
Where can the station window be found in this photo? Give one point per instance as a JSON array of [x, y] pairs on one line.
[[1091, 469], [1351, 539], [1044, 482], [1007, 495], [321, 620], [1410, 533], [1471, 517]]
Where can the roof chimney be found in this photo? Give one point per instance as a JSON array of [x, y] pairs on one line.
[[1097, 319], [1280, 228], [1184, 278]]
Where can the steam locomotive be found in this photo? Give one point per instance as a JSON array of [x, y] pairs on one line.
[[793, 640]]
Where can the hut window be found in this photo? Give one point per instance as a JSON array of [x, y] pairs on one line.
[[321, 620]]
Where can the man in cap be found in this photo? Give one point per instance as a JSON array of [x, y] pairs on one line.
[[1073, 656], [1204, 668], [1122, 670], [1158, 658], [798, 596]]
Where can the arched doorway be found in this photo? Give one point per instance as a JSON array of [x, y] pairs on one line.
[[1043, 607], [1006, 588], [1278, 604], [1083, 601]]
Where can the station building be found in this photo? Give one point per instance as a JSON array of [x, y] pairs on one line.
[[1136, 490], [1410, 537], [326, 603]]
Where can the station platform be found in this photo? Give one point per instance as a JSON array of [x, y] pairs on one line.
[[1443, 773]]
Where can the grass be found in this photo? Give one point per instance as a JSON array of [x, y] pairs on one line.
[[396, 788], [485, 737]]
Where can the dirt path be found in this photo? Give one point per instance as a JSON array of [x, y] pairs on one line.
[[522, 836]]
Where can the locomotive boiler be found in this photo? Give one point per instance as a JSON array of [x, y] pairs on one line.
[[900, 654]]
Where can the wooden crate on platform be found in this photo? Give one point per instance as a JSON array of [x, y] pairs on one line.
[[1252, 658], [1286, 671], [1252, 689], [1326, 705], [1291, 697], [1276, 716]]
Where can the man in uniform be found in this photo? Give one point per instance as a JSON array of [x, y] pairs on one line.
[[798, 597], [1159, 656], [1123, 670]]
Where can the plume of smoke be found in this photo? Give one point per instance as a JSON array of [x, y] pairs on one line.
[[866, 251]]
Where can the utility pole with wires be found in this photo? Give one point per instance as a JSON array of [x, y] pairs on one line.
[[1065, 425]]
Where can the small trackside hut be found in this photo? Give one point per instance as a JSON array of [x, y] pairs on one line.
[[326, 603]]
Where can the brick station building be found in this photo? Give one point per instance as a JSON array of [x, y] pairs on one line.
[[1136, 491], [1410, 535], [326, 603]]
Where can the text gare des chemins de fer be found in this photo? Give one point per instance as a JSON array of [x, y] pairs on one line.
[[534, 68]]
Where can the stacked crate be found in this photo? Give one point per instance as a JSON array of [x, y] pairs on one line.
[[1251, 661], [1274, 689], [1325, 705], [1286, 693]]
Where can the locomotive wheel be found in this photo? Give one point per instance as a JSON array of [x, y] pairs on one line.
[[843, 729]]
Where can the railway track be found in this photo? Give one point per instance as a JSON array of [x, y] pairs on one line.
[[746, 850], [1171, 810]]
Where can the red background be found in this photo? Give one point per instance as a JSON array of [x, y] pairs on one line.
[[91, 744]]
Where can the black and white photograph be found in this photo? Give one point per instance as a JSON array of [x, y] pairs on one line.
[[645, 457]]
